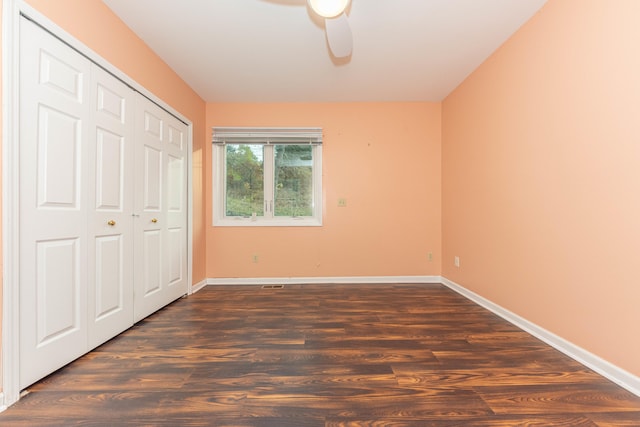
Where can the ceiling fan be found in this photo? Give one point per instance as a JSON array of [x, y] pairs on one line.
[[336, 24], [337, 27]]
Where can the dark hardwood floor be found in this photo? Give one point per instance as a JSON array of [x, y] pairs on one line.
[[325, 355]]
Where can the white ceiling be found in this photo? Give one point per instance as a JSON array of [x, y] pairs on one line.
[[275, 50]]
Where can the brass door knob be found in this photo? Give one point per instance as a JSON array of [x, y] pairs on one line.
[[154, 220], [111, 223]]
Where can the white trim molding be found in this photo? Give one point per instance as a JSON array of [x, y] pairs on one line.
[[618, 375], [198, 286], [10, 266], [353, 280]]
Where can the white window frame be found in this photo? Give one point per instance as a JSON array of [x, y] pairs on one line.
[[268, 137]]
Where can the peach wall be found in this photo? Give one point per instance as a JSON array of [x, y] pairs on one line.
[[93, 23], [384, 159], [541, 158]]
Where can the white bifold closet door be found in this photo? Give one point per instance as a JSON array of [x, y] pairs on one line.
[[161, 203], [55, 117], [110, 195], [103, 205]]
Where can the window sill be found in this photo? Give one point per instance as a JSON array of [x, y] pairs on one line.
[[264, 222]]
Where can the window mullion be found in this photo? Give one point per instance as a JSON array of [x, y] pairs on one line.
[[269, 181]]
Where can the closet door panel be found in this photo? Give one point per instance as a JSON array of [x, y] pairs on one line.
[[153, 181], [160, 229], [57, 286], [176, 257], [58, 152], [151, 254], [109, 286], [150, 274], [110, 162], [176, 227], [111, 148], [54, 121]]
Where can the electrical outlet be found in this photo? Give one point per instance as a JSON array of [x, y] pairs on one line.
[[342, 202], [255, 259], [456, 261], [430, 256]]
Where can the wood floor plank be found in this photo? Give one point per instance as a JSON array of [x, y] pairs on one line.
[[616, 419], [568, 398], [413, 375], [400, 355], [491, 421]]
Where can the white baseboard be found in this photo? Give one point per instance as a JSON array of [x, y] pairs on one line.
[[324, 280], [608, 370], [197, 286]]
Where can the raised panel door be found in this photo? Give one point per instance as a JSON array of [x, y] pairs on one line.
[[110, 200], [160, 227], [54, 121]]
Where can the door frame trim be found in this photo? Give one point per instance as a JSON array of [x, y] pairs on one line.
[[10, 206], [12, 11]]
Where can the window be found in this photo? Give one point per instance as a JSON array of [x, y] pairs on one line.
[[267, 176]]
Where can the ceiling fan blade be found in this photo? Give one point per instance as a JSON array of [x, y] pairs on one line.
[[339, 36]]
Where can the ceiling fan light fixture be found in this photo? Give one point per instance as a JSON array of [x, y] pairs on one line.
[[329, 8]]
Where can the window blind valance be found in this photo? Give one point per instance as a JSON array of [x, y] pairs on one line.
[[242, 135]]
